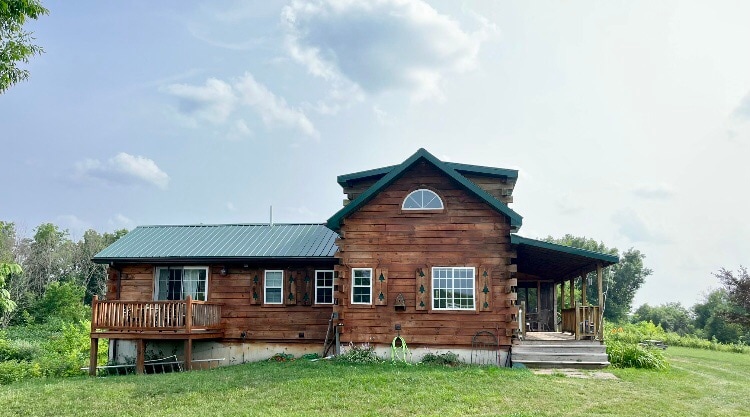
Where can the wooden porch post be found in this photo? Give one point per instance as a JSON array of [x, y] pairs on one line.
[[188, 354], [93, 355], [94, 351], [572, 295], [562, 295], [140, 353], [583, 289], [599, 280]]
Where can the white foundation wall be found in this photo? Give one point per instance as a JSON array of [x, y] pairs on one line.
[[237, 353], [123, 351]]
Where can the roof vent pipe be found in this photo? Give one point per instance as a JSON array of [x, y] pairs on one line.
[[270, 216]]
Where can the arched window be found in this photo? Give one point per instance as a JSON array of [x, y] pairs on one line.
[[422, 199]]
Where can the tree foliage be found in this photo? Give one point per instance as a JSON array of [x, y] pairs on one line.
[[622, 280], [737, 288], [50, 259], [16, 45], [710, 318], [672, 317]]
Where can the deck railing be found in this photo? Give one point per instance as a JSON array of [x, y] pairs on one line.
[[582, 321], [183, 315]]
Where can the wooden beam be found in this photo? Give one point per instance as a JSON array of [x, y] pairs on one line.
[[188, 354], [562, 294], [599, 280], [140, 354], [571, 296], [583, 289], [94, 352]]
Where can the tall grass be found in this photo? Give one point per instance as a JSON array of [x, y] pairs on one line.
[[646, 330]]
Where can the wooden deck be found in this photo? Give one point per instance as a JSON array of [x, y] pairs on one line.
[[155, 319], [147, 320]]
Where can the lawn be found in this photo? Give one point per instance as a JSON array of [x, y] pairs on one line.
[[699, 383]]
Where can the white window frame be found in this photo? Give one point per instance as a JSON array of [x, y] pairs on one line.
[[266, 287], [362, 286], [403, 204], [473, 287], [324, 287], [182, 285]]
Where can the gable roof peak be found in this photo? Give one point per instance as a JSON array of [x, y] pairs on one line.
[[334, 223]]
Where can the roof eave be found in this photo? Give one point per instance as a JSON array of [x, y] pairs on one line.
[[209, 259], [602, 257]]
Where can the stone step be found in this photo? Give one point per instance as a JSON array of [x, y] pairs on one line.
[[560, 342]]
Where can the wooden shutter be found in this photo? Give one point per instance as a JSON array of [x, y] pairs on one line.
[[290, 288], [256, 287], [381, 286], [484, 288], [305, 293], [422, 287]]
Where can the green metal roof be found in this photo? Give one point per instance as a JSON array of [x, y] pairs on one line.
[[222, 241], [556, 262], [398, 170], [462, 168]]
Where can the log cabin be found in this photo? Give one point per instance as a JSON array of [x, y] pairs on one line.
[[425, 250]]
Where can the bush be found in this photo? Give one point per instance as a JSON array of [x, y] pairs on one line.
[[443, 359], [14, 371], [629, 355], [63, 302], [281, 357], [638, 332], [359, 354], [18, 350]]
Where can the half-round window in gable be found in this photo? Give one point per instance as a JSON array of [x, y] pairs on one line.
[[422, 199]]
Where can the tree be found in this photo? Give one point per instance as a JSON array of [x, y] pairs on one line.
[[16, 44], [710, 321], [6, 270], [672, 317], [738, 295], [622, 280]]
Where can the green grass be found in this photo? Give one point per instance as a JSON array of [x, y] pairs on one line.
[[699, 383]]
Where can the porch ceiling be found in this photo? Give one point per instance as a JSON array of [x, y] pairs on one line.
[[556, 262]]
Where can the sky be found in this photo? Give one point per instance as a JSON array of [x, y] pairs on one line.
[[629, 121]]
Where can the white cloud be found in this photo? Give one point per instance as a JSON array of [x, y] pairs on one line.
[[213, 102], [272, 109], [218, 100], [380, 45], [74, 224], [743, 109], [120, 221], [654, 191], [123, 169], [231, 206], [634, 227]]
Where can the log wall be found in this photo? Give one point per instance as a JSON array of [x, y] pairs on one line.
[[298, 319], [467, 232]]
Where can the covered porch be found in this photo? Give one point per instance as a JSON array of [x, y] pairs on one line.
[[548, 277]]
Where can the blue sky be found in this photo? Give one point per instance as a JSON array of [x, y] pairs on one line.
[[629, 121]]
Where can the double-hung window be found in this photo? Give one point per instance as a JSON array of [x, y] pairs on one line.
[[453, 288], [177, 283], [361, 285], [272, 285], [323, 287]]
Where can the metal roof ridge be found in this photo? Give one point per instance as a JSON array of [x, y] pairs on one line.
[[228, 224]]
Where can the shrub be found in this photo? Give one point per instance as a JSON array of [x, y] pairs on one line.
[[444, 359], [14, 371], [62, 301], [310, 356], [19, 350], [281, 357], [630, 355], [359, 354], [638, 332]]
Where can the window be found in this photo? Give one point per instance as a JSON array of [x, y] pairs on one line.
[[452, 288], [272, 284], [323, 287], [422, 199], [361, 285], [176, 283]]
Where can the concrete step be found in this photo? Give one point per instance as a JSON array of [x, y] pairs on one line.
[[559, 357], [559, 342], [566, 364], [561, 348]]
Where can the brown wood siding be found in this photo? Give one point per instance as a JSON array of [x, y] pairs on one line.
[[500, 188], [354, 188], [467, 232], [269, 323]]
